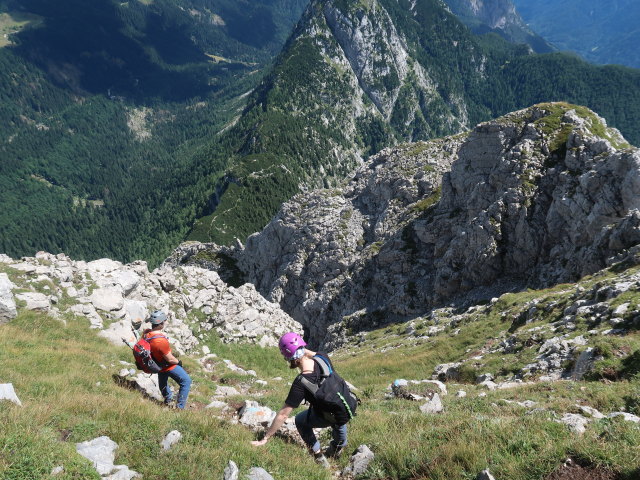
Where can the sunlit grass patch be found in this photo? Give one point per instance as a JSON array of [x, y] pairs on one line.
[[68, 397], [13, 22]]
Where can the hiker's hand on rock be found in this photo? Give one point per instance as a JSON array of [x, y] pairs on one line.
[[259, 443]]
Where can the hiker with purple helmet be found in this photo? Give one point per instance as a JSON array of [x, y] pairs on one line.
[[292, 347]]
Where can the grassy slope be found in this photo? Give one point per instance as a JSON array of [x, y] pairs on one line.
[[68, 397]]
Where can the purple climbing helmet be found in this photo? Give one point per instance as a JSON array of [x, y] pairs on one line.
[[290, 343]]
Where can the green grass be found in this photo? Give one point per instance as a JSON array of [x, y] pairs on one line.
[[13, 22], [68, 397], [551, 124]]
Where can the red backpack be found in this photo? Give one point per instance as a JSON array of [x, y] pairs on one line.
[[142, 355]]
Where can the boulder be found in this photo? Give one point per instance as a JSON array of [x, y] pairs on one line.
[[122, 472], [255, 415], [107, 299], [99, 268], [117, 331], [359, 462], [135, 310], [35, 301], [592, 412], [629, 417], [258, 473], [171, 439], [8, 393], [127, 280], [434, 405], [89, 311], [7, 303], [485, 475], [101, 452], [231, 471], [447, 371], [576, 423]]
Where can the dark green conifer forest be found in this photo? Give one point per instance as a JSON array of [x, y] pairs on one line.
[[131, 126]]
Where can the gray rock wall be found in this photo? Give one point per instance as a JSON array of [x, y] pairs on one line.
[[533, 198]]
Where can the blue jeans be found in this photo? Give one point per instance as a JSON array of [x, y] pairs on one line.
[[308, 420], [182, 378]]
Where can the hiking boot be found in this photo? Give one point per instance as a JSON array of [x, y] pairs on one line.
[[321, 459], [334, 451]]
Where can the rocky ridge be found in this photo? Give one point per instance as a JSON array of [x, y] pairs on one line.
[[540, 196], [113, 297]]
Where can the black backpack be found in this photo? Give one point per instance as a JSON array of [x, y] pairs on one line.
[[332, 396]]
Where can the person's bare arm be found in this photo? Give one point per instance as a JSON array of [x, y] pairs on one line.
[[170, 359], [278, 421]]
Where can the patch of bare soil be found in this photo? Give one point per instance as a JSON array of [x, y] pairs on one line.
[[572, 471]]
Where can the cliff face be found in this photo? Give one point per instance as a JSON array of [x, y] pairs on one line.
[[499, 16], [358, 76], [540, 196]]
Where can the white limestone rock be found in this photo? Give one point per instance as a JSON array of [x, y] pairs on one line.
[[118, 331], [122, 472], [8, 393], [135, 310], [57, 470], [88, 311], [590, 411], [99, 268], [217, 404], [148, 385], [35, 301], [258, 473], [101, 452], [576, 423], [107, 299], [254, 415], [8, 309], [485, 475], [629, 417], [359, 462], [224, 391], [231, 471], [127, 280], [434, 405], [172, 438]]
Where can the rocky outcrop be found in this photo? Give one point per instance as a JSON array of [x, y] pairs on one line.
[[101, 453], [7, 303], [540, 196], [115, 297], [8, 393]]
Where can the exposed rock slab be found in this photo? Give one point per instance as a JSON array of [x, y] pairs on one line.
[[8, 393], [8, 309]]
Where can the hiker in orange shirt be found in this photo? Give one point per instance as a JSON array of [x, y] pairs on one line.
[[172, 367]]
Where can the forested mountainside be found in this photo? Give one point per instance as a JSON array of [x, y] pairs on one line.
[[358, 76], [499, 16], [422, 278], [123, 162], [601, 32], [105, 105]]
